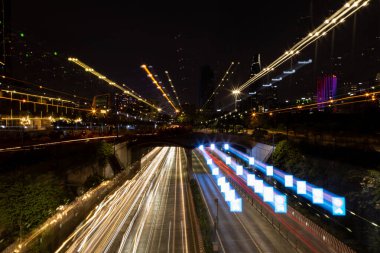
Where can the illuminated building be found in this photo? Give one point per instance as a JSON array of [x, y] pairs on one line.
[[255, 94], [102, 102], [255, 65], [326, 89]]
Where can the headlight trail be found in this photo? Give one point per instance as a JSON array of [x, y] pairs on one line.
[[104, 225]]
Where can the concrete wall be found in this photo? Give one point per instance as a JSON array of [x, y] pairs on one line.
[[126, 156], [123, 155], [262, 151]]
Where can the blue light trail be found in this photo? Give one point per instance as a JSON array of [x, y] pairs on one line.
[[265, 191], [301, 187]]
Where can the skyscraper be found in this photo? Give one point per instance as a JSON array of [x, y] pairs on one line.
[[255, 95], [326, 89], [255, 65]]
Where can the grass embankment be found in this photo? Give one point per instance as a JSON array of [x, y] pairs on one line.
[[345, 172]]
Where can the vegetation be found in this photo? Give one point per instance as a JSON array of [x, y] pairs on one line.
[[104, 151], [360, 185], [92, 181], [33, 184], [27, 201], [204, 220]]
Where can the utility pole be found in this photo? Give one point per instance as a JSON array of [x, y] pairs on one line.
[[215, 243]]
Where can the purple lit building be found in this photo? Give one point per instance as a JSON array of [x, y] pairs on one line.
[[326, 89]]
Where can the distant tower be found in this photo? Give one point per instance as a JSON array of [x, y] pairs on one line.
[[255, 65], [256, 99], [326, 89]]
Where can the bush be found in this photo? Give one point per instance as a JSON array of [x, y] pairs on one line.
[[104, 151], [25, 201], [287, 156], [92, 181]]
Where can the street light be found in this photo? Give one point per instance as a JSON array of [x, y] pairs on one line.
[[236, 94]]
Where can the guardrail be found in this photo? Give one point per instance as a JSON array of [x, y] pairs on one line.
[[331, 241]]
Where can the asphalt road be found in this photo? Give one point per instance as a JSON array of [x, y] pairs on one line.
[[149, 213], [237, 232], [164, 225]]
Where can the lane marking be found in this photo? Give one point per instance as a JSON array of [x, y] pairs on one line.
[[183, 198], [208, 209], [170, 225]]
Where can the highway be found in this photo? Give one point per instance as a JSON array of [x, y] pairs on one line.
[[298, 232], [237, 232], [149, 213]]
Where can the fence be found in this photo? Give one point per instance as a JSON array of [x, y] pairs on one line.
[[318, 232]]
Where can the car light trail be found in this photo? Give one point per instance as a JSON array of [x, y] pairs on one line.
[[230, 195], [293, 225], [266, 192], [99, 231], [330, 202]]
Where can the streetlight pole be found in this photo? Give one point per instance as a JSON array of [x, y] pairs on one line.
[[215, 244], [235, 103], [236, 94], [216, 217]]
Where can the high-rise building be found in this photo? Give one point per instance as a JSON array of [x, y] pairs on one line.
[[326, 89], [260, 98], [255, 65], [102, 102], [255, 94]]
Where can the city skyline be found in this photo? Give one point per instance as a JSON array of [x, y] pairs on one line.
[[182, 41]]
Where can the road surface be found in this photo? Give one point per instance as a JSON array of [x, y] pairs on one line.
[[237, 232], [149, 213], [298, 232]]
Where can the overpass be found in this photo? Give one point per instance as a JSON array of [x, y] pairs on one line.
[[131, 148]]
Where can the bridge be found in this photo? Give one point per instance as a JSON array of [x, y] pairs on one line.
[[139, 166]]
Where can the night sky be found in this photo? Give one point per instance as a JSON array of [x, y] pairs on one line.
[[116, 38]]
